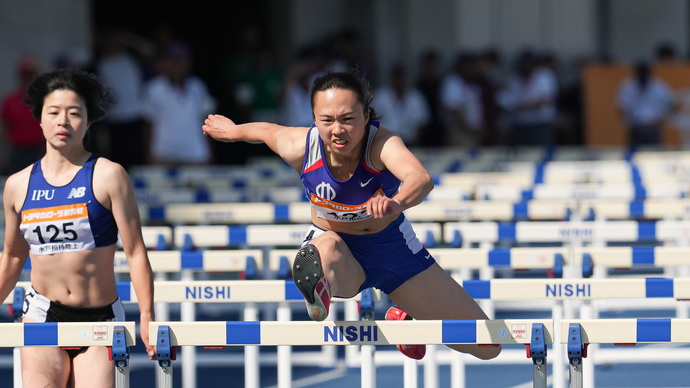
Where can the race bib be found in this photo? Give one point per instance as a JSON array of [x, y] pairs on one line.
[[334, 211], [57, 229]]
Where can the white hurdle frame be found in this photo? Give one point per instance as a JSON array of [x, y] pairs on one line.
[[118, 336], [365, 333], [230, 291], [578, 333]]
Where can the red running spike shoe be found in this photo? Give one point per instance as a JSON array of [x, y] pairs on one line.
[[310, 281], [416, 352]]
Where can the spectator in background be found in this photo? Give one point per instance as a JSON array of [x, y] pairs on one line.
[[645, 102], [259, 92], [401, 106], [461, 103], [174, 104], [489, 84], [570, 106], [236, 66], [530, 101], [429, 84], [665, 53], [22, 132], [296, 93], [122, 72]]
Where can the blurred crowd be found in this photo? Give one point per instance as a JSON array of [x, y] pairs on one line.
[[474, 99]]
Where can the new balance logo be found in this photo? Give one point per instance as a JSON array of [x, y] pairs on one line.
[[77, 192]]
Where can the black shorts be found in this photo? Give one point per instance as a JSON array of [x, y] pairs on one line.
[[38, 308]]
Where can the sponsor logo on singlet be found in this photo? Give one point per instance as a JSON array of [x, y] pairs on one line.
[[335, 211], [325, 191], [77, 192], [38, 195]]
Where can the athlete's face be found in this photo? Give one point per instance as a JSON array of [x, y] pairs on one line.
[[63, 118], [341, 120]]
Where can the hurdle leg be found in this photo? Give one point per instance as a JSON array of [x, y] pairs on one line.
[[588, 364], [165, 355], [122, 376], [330, 353], [430, 367], [352, 353], [368, 369], [188, 314], [538, 355], [457, 370], [16, 356], [487, 273], [284, 314], [682, 305], [162, 311], [410, 373], [120, 357], [575, 355], [251, 353], [558, 349]]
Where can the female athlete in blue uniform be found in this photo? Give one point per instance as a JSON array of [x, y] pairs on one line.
[[359, 177], [66, 210]]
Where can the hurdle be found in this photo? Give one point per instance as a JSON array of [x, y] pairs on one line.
[[649, 208], [229, 291], [155, 237], [454, 233], [621, 332], [247, 261], [535, 334], [117, 336], [266, 235], [629, 191]]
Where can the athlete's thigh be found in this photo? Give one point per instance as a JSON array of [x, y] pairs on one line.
[[44, 367], [340, 266], [433, 294], [93, 369]]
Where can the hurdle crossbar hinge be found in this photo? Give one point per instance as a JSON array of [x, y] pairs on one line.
[[587, 265], [537, 347], [165, 352], [558, 263], [250, 270], [577, 350], [457, 239], [119, 352], [188, 243], [284, 268], [366, 305], [16, 306]]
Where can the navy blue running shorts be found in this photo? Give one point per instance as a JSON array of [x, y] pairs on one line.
[[389, 257]]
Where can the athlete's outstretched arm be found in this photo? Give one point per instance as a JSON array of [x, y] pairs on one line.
[[287, 142], [16, 250]]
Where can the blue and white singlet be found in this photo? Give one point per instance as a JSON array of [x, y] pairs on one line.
[[66, 218], [344, 201]]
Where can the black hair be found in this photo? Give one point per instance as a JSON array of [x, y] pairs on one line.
[[353, 80], [85, 84]]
